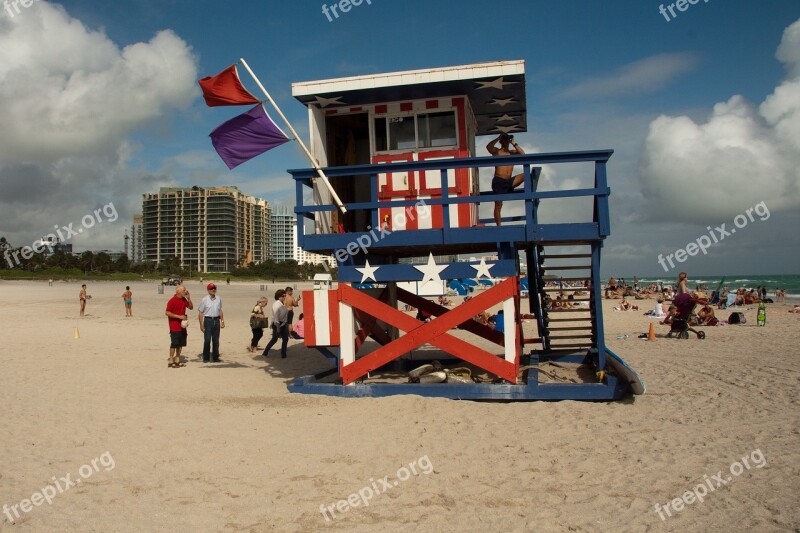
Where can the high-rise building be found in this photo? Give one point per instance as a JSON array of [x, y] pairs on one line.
[[207, 229], [282, 232], [136, 244], [302, 257]]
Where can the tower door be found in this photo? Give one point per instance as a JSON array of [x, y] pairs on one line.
[[347, 143]]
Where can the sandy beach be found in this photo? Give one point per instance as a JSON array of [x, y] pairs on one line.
[[226, 448]]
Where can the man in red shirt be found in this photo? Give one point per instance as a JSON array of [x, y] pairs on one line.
[[176, 317]]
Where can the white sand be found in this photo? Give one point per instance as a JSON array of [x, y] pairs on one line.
[[227, 448]]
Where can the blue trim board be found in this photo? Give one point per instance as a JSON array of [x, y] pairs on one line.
[[404, 272], [612, 390]]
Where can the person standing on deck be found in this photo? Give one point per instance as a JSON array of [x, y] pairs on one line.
[[503, 181]]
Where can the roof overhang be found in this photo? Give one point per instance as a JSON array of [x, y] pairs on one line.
[[496, 91]]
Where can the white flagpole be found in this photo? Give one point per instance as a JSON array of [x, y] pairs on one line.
[[297, 138]]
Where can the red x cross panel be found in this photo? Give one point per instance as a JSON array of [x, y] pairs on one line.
[[433, 332]]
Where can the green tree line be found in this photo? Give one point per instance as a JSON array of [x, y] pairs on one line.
[[102, 263]]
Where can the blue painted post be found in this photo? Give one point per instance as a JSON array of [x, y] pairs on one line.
[[601, 214], [446, 206], [373, 196], [598, 304]]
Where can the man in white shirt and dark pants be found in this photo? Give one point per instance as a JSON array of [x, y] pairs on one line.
[[211, 320], [280, 326]]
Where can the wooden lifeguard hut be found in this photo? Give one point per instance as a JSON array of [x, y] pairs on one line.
[[399, 149]]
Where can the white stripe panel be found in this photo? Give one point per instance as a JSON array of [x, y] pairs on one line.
[[322, 318], [510, 330], [399, 219], [347, 352], [454, 221], [424, 216]]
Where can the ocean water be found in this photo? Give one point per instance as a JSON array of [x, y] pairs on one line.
[[789, 283]]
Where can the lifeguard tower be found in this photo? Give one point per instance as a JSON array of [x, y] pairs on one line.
[[399, 149]]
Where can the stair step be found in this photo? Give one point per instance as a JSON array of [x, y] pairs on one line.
[[566, 267], [575, 346], [568, 310], [556, 289], [577, 319], [557, 337], [566, 256], [571, 328]]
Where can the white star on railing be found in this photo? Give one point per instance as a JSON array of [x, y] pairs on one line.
[[368, 272], [431, 270], [482, 269]]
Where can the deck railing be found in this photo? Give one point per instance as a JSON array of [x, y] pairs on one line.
[[596, 229]]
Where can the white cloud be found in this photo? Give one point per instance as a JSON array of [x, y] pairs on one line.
[[646, 75], [70, 100], [742, 155]]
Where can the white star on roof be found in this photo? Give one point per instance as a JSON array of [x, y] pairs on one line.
[[482, 269], [505, 118], [431, 270], [502, 102], [325, 102], [499, 83], [368, 272], [507, 129]]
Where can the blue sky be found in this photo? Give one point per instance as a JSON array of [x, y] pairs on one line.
[[598, 75]]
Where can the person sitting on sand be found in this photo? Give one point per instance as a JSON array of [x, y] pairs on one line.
[[795, 310], [705, 316], [672, 312], [299, 329], [658, 312], [611, 287], [625, 305]]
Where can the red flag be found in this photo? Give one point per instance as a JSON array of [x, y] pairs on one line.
[[226, 89]]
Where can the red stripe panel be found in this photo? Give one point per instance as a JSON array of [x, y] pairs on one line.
[[432, 104], [411, 214], [311, 324], [381, 109], [437, 218], [333, 313], [406, 106]]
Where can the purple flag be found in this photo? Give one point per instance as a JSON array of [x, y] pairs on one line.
[[244, 137]]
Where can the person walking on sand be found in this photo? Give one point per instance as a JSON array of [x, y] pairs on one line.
[[682, 294], [290, 303], [257, 313], [178, 321], [211, 318], [503, 182], [127, 299], [279, 324], [82, 298]]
